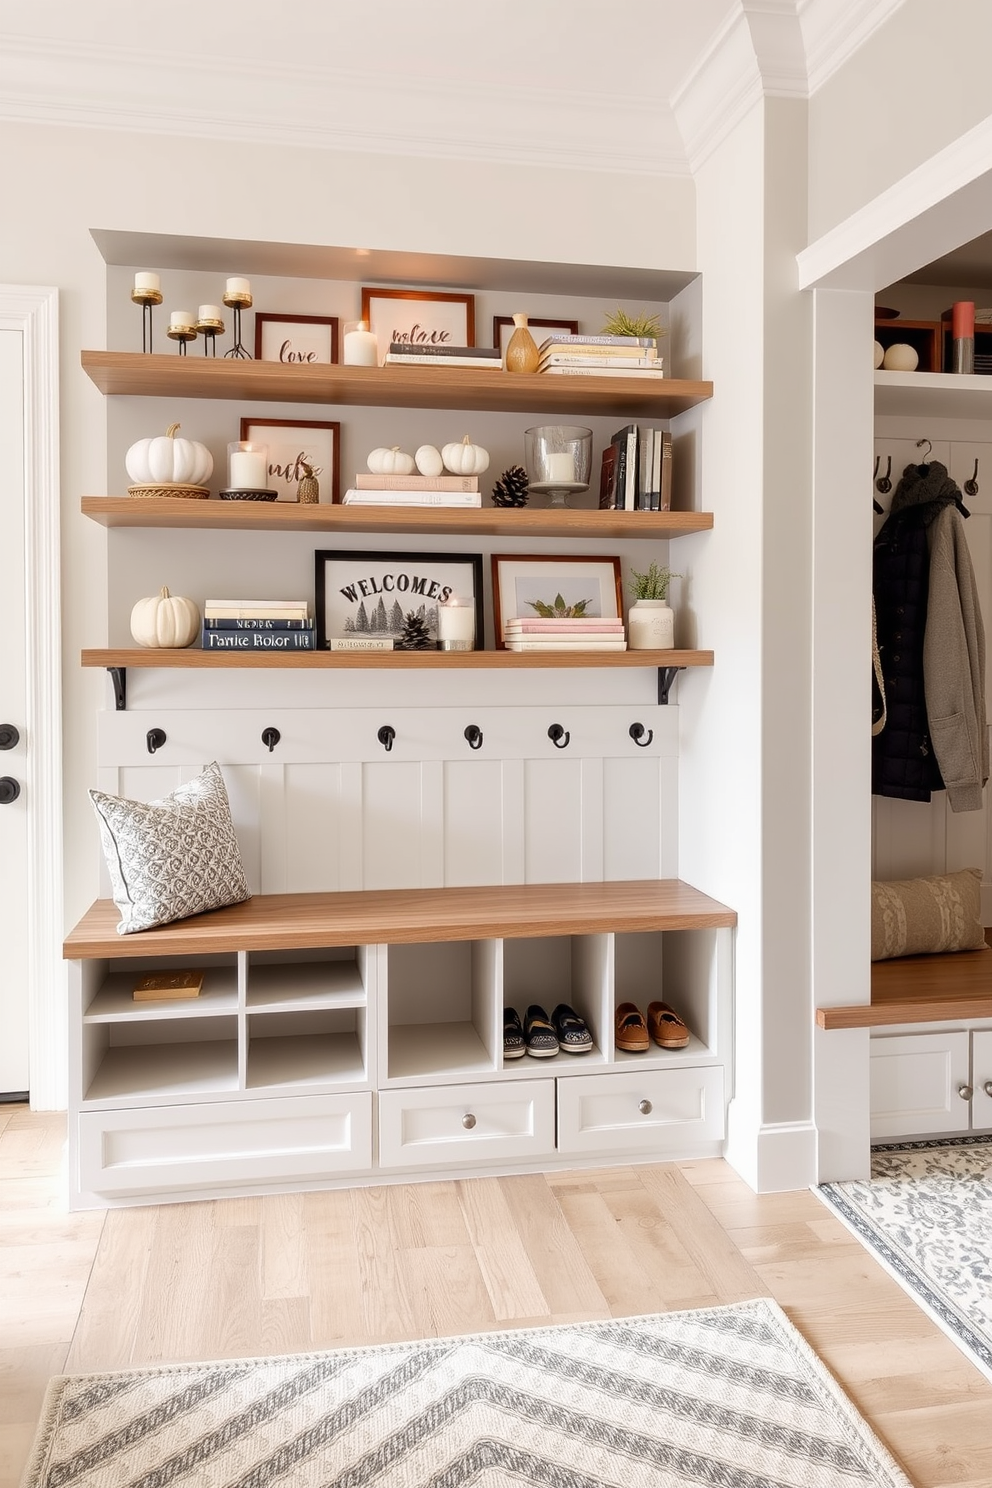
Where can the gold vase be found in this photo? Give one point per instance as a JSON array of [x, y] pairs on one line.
[[521, 349]]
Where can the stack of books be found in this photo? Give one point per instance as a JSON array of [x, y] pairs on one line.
[[587, 634], [414, 490], [636, 473], [257, 625], [413, 354], [601, 356]]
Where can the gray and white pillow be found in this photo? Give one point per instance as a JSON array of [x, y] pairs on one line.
[[171, 858]]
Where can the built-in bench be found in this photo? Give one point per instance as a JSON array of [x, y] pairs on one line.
[[921, 989]]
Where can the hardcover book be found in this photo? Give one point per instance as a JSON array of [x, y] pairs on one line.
[[416, 350], [256, 622], [163, 986], [257, 640], [412, 498], [368, 482], [360, 643]]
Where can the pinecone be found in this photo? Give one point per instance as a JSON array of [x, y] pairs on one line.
[[511, 488], [416, 636], [308, 490]]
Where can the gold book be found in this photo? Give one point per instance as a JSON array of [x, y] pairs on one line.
[[162, 986]]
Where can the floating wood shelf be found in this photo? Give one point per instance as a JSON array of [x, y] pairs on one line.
[[933, 394], [489, 521], [136, 375], [920, 989], [408, 916], [197, 659]]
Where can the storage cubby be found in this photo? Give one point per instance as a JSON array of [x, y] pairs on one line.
[[547, 970], [285, 980], [678, 967], [110, 999], [178, 1059], [441, 1011], [305, 1050]]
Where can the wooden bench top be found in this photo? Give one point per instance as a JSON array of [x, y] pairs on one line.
[[405, 916], [921, 989]]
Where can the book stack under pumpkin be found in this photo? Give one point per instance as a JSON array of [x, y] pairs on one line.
[[600, 356], [257, 625]]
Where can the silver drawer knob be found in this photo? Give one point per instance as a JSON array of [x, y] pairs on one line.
[[987, 1087], [468, 1121], [645, 1107], [967, 1091]]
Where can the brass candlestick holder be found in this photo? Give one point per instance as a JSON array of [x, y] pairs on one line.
[[147, 299], [181, 332], [238, 300], [209, 327]]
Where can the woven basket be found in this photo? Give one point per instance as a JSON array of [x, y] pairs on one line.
[[171, 488]]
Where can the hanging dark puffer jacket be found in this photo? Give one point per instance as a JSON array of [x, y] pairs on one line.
[[903, 760]]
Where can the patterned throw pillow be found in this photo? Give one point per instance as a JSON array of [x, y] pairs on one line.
[[913, 916], [171, 858]]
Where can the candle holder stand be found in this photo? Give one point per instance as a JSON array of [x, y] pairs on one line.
[[182, 334], [147, 299], [237, 302], [209, 330], [558, 459]]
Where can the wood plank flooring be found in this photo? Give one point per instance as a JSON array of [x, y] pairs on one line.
[[235, 1277]]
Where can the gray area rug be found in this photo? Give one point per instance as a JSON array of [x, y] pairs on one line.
[[926, 1214], [722, 1396]]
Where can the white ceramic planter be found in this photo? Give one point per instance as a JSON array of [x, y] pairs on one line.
[[650, 625]]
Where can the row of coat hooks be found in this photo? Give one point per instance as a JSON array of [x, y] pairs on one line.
[[883, 483], [473, 735]]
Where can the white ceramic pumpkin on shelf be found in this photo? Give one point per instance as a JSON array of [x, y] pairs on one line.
[[165, 619], [465, 458], [390, 462], [429, 460], [167, 461]]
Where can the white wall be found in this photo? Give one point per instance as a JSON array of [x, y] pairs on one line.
[[65, 182], [917, 84]]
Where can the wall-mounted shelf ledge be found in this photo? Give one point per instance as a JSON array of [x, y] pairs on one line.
[[284, 516], [136, 375], [412, 661], [933, 394], [920, 989]]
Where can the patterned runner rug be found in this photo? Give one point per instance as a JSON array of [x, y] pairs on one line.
[[730, 1397], [926, 1214]]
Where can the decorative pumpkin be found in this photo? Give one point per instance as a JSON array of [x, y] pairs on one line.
[[465, 458], [391, 462], [429, 460], [165, 619], [168, 460]]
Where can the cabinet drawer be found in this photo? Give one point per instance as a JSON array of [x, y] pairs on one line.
[[660, 1111], [466, 1124], [244, 1143], [915, 1079]]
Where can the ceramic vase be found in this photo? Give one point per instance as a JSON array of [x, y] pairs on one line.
[[651, 625], [521, 349]]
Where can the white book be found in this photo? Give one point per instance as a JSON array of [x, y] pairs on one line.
[[572, 371], [557, 359], [261, 605], [361, 643], [445, 361], [513, 643], [411, 498]]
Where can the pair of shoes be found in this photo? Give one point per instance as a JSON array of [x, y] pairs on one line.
[[539, 1033], [541, 1036], [514, 1046], [573, 1034], [633, 1032]]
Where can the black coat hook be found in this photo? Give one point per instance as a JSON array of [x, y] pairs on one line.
[[474, 736], [386, 735], [270, 738], [558, 736], [884, 484], [154, 738], [637, 732], [971, 486]]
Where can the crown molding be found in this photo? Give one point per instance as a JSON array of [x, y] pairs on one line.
[[124, 89], [757, 53], [833, 30]]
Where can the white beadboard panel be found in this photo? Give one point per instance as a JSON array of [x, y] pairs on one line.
[[392, 825], [553, 821], [474, 826], [592, 820], [304, 819], [632, 819]]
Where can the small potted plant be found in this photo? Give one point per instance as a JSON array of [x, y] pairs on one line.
[[650, 620]]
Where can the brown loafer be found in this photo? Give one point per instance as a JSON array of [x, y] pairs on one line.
[[667, 1028], [631, 1029]]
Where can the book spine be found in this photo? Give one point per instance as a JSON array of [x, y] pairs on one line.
[[479, 353], [581, 340], [218, 613], [256, 622], [622, 371], [635, 354], [575, 627], [412, 498], [360, 643], [257, 640], [591, 360], [607, 477], [620, 468], [365, 482], [451, 361], [630, 474]]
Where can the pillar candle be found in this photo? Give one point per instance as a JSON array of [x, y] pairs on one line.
[[456, 625], [210, 312], [561, 467], [247, 470], [144, 282], [360, 347], [181, 318], [238, 286]]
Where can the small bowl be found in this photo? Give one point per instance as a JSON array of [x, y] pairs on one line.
[[248, 495]]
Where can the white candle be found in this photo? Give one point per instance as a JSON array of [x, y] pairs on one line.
[[247, 471], [181, 318], [210, 312], [360, 347], [143, 282], [456, 625], [561, 467], [238, 286]]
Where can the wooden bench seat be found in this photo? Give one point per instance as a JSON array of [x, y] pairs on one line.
[[921, 989]]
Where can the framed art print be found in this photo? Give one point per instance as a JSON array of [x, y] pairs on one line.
[[367, 598], [300, 340], [527, 586], [293, 443], [419, 316]]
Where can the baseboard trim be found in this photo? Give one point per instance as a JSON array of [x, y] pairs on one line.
[[773, 1157]]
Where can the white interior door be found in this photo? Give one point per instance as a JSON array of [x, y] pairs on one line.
[[14, 1021]]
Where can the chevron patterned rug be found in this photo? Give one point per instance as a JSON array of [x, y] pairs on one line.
[[729, 1397], [926, 1215]]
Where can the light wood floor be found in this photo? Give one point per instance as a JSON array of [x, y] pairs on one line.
[[81, 1292]]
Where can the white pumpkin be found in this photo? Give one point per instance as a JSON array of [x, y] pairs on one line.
[[165, 619], [465, 458], [391, 462], [429, 460], [169, 461]]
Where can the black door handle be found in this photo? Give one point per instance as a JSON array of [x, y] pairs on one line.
[[9, 790], [9, 736]]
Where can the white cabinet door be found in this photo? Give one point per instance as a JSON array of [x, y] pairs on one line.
[[466, 1124], [915, 1083], [657, 1111], [981, 1079]]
